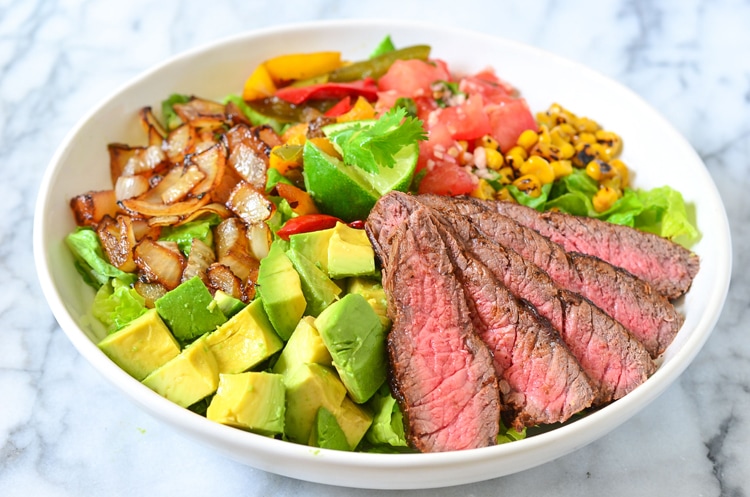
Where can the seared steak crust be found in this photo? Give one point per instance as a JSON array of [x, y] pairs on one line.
[[648, 315], [667, 266], [442, 374]]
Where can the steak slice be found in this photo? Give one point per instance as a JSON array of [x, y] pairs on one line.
[[613, 359], [648, 315], [667, 266], [541, 382], [442, 374]]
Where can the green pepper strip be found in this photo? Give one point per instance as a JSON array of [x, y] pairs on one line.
[[377, 66]]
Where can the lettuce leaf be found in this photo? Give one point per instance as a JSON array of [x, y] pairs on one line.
[[184, 233], [116, 304]]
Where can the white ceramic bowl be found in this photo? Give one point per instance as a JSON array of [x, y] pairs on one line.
[[657, 153]]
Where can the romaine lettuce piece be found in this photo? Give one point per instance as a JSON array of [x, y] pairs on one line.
[[116, 304], [91, 261]]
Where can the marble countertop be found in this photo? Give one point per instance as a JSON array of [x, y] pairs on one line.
[[64, 431]]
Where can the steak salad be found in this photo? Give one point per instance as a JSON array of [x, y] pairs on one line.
[[381, 256]]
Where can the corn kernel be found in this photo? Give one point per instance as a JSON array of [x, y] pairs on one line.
[[494, 158], [487, 141], [484, 190], [604, 199], [529, 184], [527, 139], [539, 167], [561, 168], [516, 156], [566, 151], [543, 135], [595, 170], [622, 171], [504, 195], [507, 174], [586, 137]]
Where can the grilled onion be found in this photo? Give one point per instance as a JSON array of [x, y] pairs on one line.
[[159, 262]]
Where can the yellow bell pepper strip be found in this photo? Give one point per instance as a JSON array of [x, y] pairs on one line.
[[259, 84], [377, 66], [342, 107], [365, 88], [285, 157], [302, 65], [362, 109]]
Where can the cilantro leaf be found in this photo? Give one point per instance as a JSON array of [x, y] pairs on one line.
[[371, 147]]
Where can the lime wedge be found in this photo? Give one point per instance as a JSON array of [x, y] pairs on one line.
[[347, 191]]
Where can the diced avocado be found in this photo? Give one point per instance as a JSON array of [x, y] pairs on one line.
[[317, 287], [280, 289], [304, 346], [312, 386], [245, 340], [355, 338], [313, 245], [142, 345], [250, 401], [326, 432], [350, 253], [372, 290], [228, 305], [189, 310], [189, 377], [388, 420]]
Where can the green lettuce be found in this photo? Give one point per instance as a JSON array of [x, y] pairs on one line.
[[184, 233], [116, 304]]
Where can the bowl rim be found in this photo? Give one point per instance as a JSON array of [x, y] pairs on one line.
[[571, 436]]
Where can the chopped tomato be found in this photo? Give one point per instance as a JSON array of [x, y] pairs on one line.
[[447, 179], [413, 78], [487, 84], [509, 120], [468, 120]]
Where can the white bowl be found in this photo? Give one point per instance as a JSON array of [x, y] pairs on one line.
[[653, 149]]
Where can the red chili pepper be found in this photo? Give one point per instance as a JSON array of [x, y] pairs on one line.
[[364, 87], [342, 107], [307, 223]]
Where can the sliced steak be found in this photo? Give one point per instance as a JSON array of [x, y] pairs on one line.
[[648, 315], [442, 374], [541, 382], [667, 266]]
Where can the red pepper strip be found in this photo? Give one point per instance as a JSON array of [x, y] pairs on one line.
[[307, 223], [364, 87], [342, 107], [358, 224]]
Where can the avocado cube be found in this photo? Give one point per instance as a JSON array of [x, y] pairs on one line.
[[354, 336], [313, 245], [141, 346], [250, 401], [189, 310], [317, 287], [228, 305], [312, 386], [280, 290], [350, 253], [189, 377], [372, 290], [326, 432], [304, 346], [245, 340]]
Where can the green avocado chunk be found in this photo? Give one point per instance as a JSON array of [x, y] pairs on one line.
[[189, 310], [353, 334], [228, 305], [244, 341], [304, 347], [372, 290], [326, 432], [189, 377], [142, 346], [252, 401], [280, 290], [312, 386], [313, 245], [317, 287], [350, 253]]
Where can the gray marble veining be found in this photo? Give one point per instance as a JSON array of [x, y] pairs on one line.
[[65, 432]]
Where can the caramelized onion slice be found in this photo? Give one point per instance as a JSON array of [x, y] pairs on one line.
[[211, 162], [250, 204], [118, 239], [180, 142], [260, 238], [159, 262], [248, 154], [151, 292], [126, 160], [201, 113], [191, 176], [233, 250], [90, 208], [220, 277], [212, 208], [149, 209], [152, 126], [201, 256], [131, 186]]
